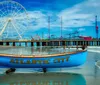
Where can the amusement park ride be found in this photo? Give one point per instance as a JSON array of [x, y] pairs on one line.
[[13, 17], [13, 20]]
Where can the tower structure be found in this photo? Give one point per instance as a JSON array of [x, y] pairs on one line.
[[96, 27], [61, 28], [49, 27]]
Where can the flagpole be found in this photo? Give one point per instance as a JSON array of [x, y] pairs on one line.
[[61, 27], [96, 27], [49, 27]]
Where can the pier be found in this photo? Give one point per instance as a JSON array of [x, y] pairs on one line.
[[67, 42]]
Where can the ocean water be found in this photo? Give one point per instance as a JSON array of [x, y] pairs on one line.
[[87, 74]]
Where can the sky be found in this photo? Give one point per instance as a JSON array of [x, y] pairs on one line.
[[77, 15]]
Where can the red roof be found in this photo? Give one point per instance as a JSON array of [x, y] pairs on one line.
[[86, 37]]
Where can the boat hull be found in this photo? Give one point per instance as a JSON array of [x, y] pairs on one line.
[[68, 60]]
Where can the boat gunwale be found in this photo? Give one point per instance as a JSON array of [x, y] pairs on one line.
[[40, 56]]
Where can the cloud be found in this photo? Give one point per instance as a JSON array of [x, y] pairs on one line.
[[67, 29], [81, 29], [79, 15], [82, 14]]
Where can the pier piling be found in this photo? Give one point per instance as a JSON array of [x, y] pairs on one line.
[[7, 43], [13, 43], [1, 43], [32, 44]]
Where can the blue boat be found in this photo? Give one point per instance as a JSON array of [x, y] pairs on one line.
[[53, 60], [48, 61]]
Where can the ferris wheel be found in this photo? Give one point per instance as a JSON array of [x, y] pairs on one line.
[[13, 20]]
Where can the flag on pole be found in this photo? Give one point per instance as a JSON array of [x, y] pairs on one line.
[[96, 27]]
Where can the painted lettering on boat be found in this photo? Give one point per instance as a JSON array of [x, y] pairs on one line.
[[32, 61], [40, 83]]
